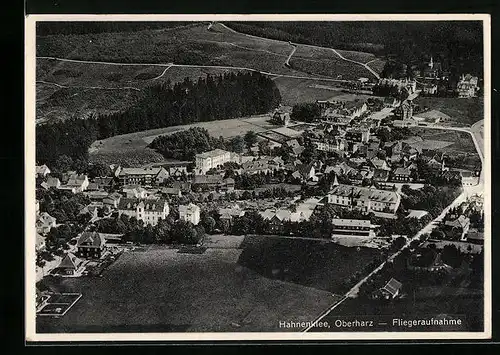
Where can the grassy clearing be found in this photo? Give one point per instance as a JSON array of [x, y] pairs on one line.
[[462, 111], [131, 148], [461, 141], [162, 290], [295, 91], [335, 69]]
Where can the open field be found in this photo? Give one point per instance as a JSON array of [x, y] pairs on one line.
[[463, 112], [157, 289], [377, 65], [132, 148], [295, 91], [461, 141]]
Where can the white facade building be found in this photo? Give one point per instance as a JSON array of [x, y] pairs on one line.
[[190, 213]]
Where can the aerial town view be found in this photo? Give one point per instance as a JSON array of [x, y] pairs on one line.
[[260, 177]]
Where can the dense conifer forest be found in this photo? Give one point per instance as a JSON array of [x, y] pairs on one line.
[[211, 98]]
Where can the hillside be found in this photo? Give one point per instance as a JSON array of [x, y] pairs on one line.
[[102, 69]]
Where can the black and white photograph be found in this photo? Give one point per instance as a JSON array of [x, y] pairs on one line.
[[211, 177]]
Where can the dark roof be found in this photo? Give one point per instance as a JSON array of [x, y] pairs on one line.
[[149, 204], [70, 261], [393, 286], [91, 238], [207, 179]]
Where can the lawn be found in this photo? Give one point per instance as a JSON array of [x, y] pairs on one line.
[[132, 148], [463, 112], [435, 139], [160, 290]]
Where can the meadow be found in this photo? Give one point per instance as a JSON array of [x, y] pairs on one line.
[[464, 112], [158, 289]]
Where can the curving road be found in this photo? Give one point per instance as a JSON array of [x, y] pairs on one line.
[[477, 137], [307, 45]]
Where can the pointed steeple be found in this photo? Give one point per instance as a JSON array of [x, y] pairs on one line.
[[335, 181]]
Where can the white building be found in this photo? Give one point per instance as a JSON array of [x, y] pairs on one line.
[[190, 213], [467, 86], [148, 211], [353, 227], [364, 198], [212, 159], [42, 170]]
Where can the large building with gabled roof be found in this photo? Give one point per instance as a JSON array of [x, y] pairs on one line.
[[150, 211], [366, 199]]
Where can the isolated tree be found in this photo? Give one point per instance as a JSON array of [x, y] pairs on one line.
[[250, 139]]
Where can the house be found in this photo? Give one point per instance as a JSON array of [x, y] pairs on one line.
[[39, 242], [353, 227], [104, 182], [402, 175], [391, 290], [227, 185], [331, 145], [475, 236], [207, 181], [380, 164], [418, 214], [97, 196], [295, 146], [92, 209], [90, 245], [177, 168], [112, 199], [150, 211], [436, 164], [142, 176], [42, 171], [381, 175], [277, 217], [76, 183], [364, 198], [69, 264], [456, 228], [353, 109], [171, 191], [190, 213], [211, 160], [44, 223], [430, 89], [305, 172], [280, 117], [227, 214], [405, 110], [356, 134], [135, 191], [52, 182], [467, 86], [256, 166], [184, 186], [469, 178]]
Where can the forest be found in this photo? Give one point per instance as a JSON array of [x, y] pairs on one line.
[[458, 45], [215, 97], [75, 27]]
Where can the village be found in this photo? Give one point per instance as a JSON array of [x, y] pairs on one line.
[[354, 173]]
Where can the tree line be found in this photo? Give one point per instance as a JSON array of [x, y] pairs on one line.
[[225, 96]]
